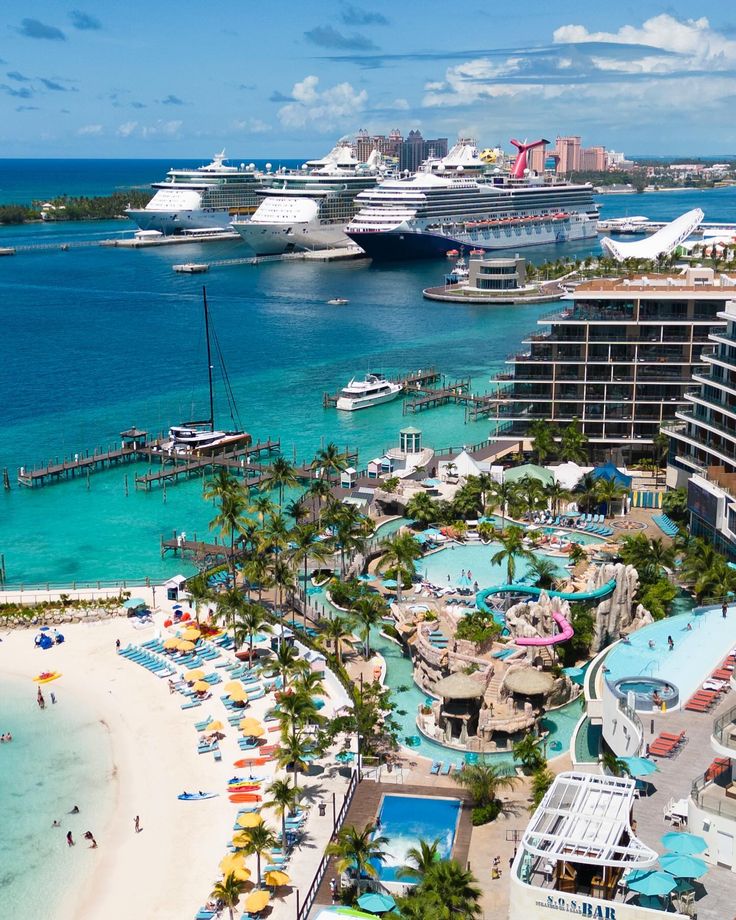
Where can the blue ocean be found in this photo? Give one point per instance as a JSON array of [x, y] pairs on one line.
[[98, 339]]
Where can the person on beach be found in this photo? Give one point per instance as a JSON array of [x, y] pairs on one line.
[[53, 698], [69, 839], [40, 700], [88, 835], [117, 645], [724, 610], [137, 824], [670, 643], [56, 824]]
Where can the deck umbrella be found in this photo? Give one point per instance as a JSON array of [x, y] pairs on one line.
[[250, 819], [252, 728], [683, 866], [234, 864], [194, 674], [215, 726], [276, 878], [256, 901], [639, 766], [200, 686], [376, 903], [684, 844], [651, 882], [134, 603]]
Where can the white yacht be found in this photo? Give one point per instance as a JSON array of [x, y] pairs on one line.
[[460, 202], [308, 208], [203, 198], [372, 390]]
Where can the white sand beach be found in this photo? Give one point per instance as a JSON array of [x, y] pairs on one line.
[[168, 869]]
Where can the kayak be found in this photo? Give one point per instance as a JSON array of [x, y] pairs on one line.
[[45, 677], [196, 796], [251, 762], [244, 797], [245, 787]]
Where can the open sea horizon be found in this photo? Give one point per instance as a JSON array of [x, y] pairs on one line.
[[96, 339]]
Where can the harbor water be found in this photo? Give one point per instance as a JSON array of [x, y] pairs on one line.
[[97, 339]]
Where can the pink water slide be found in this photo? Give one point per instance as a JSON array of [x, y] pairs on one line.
[[566, 632]]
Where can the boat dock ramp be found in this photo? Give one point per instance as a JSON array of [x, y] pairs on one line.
[[135, 447], [414, 380]]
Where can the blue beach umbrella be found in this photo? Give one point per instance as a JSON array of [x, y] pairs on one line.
[[683, 866], [134, 602], [463, 581], [376, 903], [640, 766], [651, 882], [684, 844]]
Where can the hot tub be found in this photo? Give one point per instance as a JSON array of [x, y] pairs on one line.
[[644, 690]]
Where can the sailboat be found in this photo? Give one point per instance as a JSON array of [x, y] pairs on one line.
[[202, 436]]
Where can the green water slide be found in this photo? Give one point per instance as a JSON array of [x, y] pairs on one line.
[[598, 595]]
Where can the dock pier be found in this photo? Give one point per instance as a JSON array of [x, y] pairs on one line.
[[420, 397], [413, 380], [197, 550]]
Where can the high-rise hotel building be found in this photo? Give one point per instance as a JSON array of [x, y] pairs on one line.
[[620, 358]]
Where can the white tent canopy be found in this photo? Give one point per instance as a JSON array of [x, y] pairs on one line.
[[464, 465], [569, 474]]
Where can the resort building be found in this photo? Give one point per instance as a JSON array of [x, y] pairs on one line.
[[703, 441], [620, 358], [578, 851]]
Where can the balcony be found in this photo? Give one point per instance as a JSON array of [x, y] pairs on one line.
[[715, 791], [723, 739]]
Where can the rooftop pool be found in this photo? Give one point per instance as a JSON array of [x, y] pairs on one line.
[[407, 819], [697, 651]]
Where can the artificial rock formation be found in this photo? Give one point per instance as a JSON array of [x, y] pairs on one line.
[[618, 614]]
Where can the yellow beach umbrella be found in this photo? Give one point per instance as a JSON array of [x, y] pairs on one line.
[[250, 819], [252, 727], [238, 696], [276, 877], [241, 839], [184, 645], [201, 686], [257, 900], [191, 633], [171, 642], [232, 685], [234, 864], [194, 674], [215, 726]]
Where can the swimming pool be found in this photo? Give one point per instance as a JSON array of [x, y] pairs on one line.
[[644, 689], [447, 565], [407, 819], [697, 651]]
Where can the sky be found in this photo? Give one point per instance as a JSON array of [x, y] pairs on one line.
[[185, 79]]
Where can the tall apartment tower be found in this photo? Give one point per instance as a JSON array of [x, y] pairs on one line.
[[568, 150]]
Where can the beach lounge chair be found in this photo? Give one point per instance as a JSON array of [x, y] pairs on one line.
[[446, 769], [191, 704], [436, 767], [203, 914]]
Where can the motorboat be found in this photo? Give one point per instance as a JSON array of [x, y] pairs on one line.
[[372, 390], [338, 301]]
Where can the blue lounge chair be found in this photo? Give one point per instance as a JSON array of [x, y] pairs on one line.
[[446, 769], [436, 767]]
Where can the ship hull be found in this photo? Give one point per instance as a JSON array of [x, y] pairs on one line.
[[352, 404], [171, 222], [276, 239], [403, 243]]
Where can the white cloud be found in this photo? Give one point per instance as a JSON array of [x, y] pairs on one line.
[[90, 130], [127, 128], [400, 105], [250, 126], [323, 109], [159, 128]]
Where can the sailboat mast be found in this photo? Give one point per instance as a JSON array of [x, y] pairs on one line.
[[209, 358]]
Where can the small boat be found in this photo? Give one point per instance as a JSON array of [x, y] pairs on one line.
[[192, 268], [239, 797], [196, 796], [372, 390], [338, 301], [45, 677]]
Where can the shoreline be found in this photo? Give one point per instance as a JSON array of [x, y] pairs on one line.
[[153, 758]]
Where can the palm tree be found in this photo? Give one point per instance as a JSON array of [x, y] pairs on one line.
[[421, 858], [262, 506], [607, 491], [329, 461], [251, 618], [650, 557], [304, 545], [556, 493], [484, 780], [351, 530], [228, 891], [400, 553], [502, 494], [230, 607], [318, 491], [368, 610], [421, 508], [293, 753], [358, 850], [542, 433], [284, 799], [273, 535], [528, 751], [529, 490], [454, 888], [283, 579], [586, 493], [297, 509], [232, 503], [336, 630], [542, 779], [260, 839], [544, 571], [285, 658], [199, 593], [512, 547], [280, 475], [613, 765], [296, 710], [573, 443]]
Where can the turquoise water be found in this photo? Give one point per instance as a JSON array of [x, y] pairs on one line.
[[696, 654], [588, 742], [447, 565], [407, 819], [96, 339], [42, 776], [575, 536]]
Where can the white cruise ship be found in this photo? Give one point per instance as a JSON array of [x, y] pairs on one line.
[[308, 208], [372, 390], [457, 203], [203, 198]]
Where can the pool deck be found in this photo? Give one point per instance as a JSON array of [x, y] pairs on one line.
[[364, 808]]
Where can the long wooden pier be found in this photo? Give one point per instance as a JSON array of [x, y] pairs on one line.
[[413, 380], [455, 391], [198, 550]]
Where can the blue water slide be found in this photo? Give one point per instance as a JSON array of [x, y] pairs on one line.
[[597, 595]]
